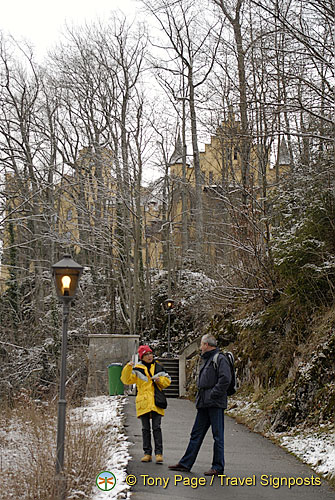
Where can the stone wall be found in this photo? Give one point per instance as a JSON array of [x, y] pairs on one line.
[[186, 354], [105, 349]]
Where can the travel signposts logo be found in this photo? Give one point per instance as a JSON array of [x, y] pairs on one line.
[[106, 480]]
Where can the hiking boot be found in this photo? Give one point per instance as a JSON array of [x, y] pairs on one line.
[[179, 468], [159, 458], [146, 458]]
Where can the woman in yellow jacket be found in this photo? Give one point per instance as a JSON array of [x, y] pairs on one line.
[[143, 374]]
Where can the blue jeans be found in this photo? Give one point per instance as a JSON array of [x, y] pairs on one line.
[[205, 418]]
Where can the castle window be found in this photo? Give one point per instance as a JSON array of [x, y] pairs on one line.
[[235, 153], [69, 214]]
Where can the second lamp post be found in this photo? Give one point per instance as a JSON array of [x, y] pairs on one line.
[[168, 306]]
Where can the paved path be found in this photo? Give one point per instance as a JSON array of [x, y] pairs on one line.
[[248, 455]]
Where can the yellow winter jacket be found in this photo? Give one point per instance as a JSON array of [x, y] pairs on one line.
[[139, 375]]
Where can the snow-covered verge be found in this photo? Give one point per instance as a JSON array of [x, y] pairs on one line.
[[14, 449], [95, 442], [315, 447], [107, 412]]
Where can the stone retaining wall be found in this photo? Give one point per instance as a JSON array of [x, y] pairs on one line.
[[105, 349]]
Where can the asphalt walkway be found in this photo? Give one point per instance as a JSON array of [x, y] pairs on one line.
[[255, 467]]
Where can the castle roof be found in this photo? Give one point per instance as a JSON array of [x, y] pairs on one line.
[[177, 155]]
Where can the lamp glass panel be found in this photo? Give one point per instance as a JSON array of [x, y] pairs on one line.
[[66, 282]]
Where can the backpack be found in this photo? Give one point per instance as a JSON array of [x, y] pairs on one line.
[[230, 358]]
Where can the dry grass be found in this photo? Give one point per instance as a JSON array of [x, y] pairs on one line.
[[28, 444]]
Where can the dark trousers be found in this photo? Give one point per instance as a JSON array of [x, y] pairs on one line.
[[206, 417], [156, 430]]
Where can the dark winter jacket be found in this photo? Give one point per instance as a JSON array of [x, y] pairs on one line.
[[213, 381]]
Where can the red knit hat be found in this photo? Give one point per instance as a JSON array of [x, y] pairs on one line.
[[143, 349]]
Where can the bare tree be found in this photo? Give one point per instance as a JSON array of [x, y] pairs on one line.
[[99, 74], [233, 13], [28, 162], [192, 55]]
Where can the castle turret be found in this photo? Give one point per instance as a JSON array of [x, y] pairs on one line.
[[284, 159], [177, 155]]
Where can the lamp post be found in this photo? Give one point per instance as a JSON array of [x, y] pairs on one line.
[[169, 305], [66, 273]]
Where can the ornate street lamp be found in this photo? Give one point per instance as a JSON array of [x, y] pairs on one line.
[[168, 306], [66, 274]]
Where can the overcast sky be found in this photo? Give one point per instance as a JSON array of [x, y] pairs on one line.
[[42, 21]]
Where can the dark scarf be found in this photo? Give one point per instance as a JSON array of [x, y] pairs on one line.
[[148, 365]]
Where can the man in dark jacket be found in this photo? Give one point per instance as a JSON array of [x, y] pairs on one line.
[[211, 401]]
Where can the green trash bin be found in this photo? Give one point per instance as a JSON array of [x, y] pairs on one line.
[[114, 374]]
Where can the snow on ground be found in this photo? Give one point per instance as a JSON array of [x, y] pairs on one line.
[[20, 438], [107, 412], [315, 447], [14, 445]]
